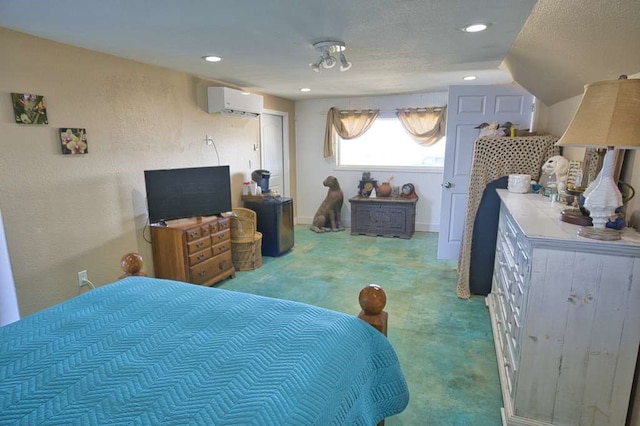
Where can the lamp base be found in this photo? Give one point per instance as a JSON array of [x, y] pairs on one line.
[[602, 234], [575, 217]]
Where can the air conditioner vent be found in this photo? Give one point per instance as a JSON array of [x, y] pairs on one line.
[[232, 102]]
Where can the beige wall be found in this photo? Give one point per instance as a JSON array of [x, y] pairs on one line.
[[557, 119], [66, 213]]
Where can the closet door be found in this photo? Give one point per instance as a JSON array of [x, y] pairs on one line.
[[467, 107], [275, 150]]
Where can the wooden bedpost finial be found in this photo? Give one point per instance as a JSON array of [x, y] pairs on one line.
[[131, 264], [372, 300]]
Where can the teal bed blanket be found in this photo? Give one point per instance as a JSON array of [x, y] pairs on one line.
[[149, 351]]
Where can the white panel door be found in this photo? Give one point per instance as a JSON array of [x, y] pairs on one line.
[[272, 135], [467, 107]]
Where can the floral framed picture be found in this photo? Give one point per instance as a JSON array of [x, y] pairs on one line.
[[74, 141], [29, 109]]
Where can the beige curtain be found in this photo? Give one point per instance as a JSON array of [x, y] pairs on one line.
[[425, 125], [347, 124]]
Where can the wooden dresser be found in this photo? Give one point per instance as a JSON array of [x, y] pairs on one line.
[[194, 250], [383, 216], [565, 317]]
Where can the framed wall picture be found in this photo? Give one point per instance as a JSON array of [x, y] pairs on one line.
[[74, 141], [29, 108]]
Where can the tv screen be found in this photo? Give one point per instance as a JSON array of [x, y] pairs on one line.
[[188, 192]]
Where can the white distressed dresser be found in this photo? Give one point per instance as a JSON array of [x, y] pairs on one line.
[[565, 312]]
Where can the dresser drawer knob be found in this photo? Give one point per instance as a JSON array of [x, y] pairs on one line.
[[202, 273]]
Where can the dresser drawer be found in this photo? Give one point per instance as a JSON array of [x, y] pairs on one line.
[[221, 236], [207, 270], [197, 232], [198, 245], [198, 257], [221, 247], [224, 224]]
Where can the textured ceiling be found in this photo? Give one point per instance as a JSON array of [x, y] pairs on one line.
[[567, 44], [396, 46]]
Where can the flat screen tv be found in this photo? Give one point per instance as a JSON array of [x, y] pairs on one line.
[[188, 192]]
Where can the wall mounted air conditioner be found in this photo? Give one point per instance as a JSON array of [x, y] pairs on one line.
[[233, 102]]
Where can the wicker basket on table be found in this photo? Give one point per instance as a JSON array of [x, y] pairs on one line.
[[246, 242]]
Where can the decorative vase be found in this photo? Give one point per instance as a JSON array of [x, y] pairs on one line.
[[385, 189]]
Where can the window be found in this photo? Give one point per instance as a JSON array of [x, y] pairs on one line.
[[386, 143]]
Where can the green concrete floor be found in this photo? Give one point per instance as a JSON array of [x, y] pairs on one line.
[[444, 343]]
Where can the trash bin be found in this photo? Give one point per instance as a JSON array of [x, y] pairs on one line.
[[261, 177]]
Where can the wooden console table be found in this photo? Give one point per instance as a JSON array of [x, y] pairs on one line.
[[383, 216]]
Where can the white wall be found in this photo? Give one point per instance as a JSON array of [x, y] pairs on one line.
[[312, 168]]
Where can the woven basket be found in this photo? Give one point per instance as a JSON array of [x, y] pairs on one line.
[[243, 225], [247, 254]]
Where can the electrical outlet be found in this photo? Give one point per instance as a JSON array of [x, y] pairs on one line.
[[83, 278]]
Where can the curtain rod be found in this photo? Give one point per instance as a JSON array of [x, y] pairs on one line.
[[342, 111]]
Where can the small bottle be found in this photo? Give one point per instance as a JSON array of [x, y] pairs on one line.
[[513, 131], [246, 186]]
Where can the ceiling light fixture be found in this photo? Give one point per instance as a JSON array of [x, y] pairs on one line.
[[327, 59], [469, 78], [474, 28], [305, 89], [212, 58]]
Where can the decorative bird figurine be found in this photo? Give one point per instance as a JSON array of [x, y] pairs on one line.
[[507, 128], [491, 129], [481, 126]]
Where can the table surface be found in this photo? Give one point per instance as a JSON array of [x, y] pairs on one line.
[[358, 198], [539, 219]]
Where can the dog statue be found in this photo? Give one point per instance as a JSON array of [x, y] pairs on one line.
[[327, 217]]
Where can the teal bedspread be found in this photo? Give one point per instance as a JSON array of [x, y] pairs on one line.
[[149, 351]]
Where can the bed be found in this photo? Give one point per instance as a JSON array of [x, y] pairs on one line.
[[151, 351]]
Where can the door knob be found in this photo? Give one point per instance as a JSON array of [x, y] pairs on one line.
[[447, 185]]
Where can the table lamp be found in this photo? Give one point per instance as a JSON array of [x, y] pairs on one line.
[[608, 116]]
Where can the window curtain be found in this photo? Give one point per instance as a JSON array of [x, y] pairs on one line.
[[425, 125], [347, 124]]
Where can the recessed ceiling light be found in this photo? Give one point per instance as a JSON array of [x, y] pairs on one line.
[[305, 89], [469, 77], [212, 58], [474, 28], [245, 93]]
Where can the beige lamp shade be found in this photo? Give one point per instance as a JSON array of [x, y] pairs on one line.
[[608, 115]]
